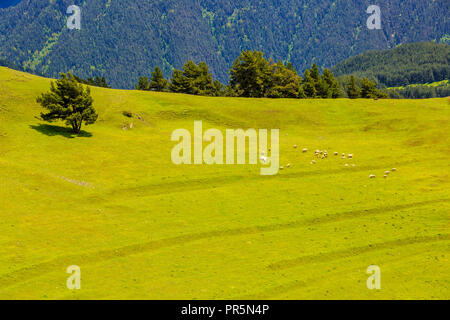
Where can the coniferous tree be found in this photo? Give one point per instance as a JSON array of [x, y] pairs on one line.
[[193, 79], [353, 91], [309, 85], [329, 86], [251, 75], [158, 83], [69, 101], [368, 89], [286, 83], [315, 75], [143, 84], [179, 83]]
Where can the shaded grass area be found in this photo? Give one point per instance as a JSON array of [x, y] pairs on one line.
[[52, 130]]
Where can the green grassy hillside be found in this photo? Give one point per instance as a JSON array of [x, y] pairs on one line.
[[112, 202]]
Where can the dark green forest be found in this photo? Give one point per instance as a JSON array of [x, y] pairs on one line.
[[120, 39], [420, 91], [406, 64]]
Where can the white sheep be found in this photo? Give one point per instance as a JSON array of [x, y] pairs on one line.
[[387, 172], [372, 176], [394, 169], [305, 150], [350, 156], [335, 153]]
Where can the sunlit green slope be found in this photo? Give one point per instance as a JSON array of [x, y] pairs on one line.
[[112, 202]]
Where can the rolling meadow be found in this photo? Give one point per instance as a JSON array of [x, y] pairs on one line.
[[112, 202]]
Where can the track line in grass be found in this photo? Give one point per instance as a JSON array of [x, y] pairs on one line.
[[334, 255], [276, 291], [208, 183], [37, 270]]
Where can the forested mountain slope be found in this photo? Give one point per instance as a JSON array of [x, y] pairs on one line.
[[406, 64], [125, 39]]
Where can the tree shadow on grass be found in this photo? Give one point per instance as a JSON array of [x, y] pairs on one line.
[[51, 130]]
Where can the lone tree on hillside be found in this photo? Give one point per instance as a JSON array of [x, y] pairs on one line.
[[68, 100]]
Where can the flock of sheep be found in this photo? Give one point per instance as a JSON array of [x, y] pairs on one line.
[[323, 154]]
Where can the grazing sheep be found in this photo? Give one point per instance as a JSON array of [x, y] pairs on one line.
[[288, 165], [387, 172], [385, 176], [281, 168], [313, 162], [295, 146], [353, 164], [350, 156], [394, 169], [131, 125], [305, 150], [346, 164], [335, 153], [372, 176]]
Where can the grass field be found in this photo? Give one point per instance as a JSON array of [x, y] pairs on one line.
[[112, 202]]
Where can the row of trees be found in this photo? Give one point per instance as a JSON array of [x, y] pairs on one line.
[[252, 75], [96, 82], [366, 89], [193, 79], [421, 91]]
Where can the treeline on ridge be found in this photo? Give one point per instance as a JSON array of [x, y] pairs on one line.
[[413, 63], [421, 91], [253, 76]]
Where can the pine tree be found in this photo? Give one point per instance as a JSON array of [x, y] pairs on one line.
[[69, 101], [315, 75], [368, 89], [329, 85], [143, 84], [285, 82], [251, 75], [309, 87], [179, 83], [353, 91], [158, 83], [194, 79]]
